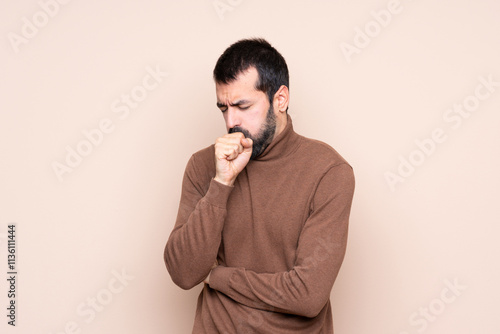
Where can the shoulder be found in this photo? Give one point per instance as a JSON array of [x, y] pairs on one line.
[[200, 168], [336, 175], [204, 157], [321, 153]]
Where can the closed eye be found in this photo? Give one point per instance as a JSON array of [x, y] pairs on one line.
[[241, 105], [224, 109]]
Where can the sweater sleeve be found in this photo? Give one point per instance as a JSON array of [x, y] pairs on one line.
[[192, 247], [305, 289]]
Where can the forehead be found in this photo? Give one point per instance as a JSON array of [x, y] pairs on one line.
[[243, 86]]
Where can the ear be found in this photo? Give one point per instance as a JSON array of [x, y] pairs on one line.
[[280, 101]]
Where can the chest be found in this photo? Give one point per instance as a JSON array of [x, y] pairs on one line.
[[266, 213]]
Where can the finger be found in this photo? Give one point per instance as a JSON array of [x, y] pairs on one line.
[[230, 140], [223, 143], [230, 146], [247, 142], [237, 136], [232, 151]]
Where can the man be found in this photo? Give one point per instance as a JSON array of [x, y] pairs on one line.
[[264, 212]]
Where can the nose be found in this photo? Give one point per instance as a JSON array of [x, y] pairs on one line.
[[232, 117]]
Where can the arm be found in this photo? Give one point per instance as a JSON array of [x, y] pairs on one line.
[[193, 245], [305, 289], [194, 242]]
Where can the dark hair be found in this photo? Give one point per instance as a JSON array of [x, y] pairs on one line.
[[258, 53]]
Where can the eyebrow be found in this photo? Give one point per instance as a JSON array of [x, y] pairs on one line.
[[235, 104]]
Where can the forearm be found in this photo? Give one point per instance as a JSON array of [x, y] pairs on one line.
[[303, 290], [193, 244]]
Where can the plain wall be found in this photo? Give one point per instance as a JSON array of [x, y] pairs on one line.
[[383, 82]]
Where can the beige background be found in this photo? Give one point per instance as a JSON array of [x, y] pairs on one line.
[[113, 213]]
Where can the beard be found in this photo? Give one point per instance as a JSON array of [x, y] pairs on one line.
[[265, 136]]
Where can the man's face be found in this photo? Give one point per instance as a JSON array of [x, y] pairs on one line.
[[247, 110]]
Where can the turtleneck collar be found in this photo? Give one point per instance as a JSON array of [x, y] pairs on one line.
[[282, 145]]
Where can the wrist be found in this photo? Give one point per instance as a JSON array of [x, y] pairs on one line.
[[226, 183]]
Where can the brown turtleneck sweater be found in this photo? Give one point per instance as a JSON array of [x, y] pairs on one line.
[[279, 236]]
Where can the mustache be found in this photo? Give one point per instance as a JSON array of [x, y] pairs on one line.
[[239, 129]]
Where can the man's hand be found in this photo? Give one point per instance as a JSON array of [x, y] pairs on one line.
[[207, 279], [232, 153]]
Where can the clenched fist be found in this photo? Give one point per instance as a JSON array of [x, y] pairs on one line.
[[232, 153]]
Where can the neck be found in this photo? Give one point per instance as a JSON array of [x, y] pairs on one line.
[[280, 124]]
